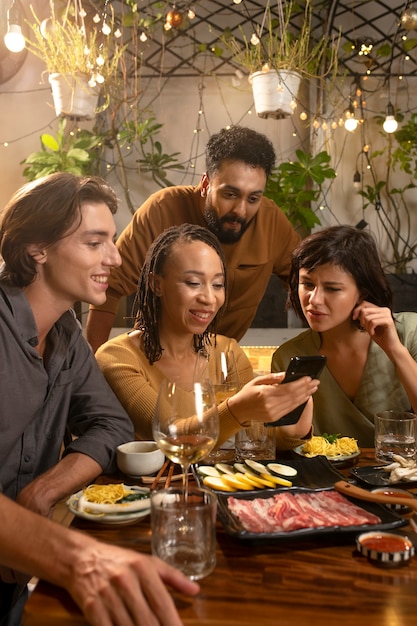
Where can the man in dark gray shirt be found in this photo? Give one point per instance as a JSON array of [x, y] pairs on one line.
[[57, 243]]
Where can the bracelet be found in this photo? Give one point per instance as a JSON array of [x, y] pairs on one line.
[[242, 425]]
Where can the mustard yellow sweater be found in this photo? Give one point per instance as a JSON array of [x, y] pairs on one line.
[[136, 383]]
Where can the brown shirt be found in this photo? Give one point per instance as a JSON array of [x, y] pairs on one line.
[[264, 249]]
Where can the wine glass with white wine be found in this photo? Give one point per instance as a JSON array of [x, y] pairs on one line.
[[186, 423], [223, 374]]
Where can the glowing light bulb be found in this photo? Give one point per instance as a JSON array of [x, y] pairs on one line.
[[106, 30], [143, 37], [13, 39], [303, 116], [351, 124], [390, 125], [254, 39]]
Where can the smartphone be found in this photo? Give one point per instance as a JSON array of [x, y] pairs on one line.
[[298, 367]]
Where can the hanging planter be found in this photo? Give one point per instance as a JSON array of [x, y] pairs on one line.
[[73, 97], [81, 56], [274, 93], [276, 50]]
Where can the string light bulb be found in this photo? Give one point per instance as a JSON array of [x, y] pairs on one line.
[[357, 180], [390, 124], [13, 39], [351, 123]]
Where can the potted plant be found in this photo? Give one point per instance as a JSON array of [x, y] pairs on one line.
[[279, 56], [82, 60], [297, 184], [75, 152]]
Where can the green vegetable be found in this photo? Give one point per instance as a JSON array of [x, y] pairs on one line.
[[131, 497], [331, 438]]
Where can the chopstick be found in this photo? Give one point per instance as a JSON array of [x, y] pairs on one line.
[[169, 476], [159, 474]]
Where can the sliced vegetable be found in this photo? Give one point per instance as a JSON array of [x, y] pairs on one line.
[[209, 470], [217, 483], [283, 470], [259, 481], [277, 480], [240, 467], [224, 468], [233, 481], [258, 467], [247, 478]]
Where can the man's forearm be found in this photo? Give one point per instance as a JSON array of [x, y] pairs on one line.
[[98, 327], [70, 474]]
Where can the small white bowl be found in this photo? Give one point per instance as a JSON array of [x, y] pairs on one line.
[[385, 549], [139, 458]]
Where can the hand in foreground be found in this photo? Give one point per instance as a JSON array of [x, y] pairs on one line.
[[266, 400], [117, 587]]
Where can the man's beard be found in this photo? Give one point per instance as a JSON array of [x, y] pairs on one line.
[[215, 224]]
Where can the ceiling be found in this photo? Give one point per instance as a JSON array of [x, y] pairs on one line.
[[193, 48]]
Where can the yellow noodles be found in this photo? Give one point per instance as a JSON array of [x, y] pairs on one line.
[[343, 446], [105, 494]]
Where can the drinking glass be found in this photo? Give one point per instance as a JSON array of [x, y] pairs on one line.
[[186, 423], [225, 380], [226, 377], [395, 433]]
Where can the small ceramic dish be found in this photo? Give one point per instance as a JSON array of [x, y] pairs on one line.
[[393, 491], [138, 458], [385, 549]]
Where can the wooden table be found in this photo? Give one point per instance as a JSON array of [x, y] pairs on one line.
[[320, 582]]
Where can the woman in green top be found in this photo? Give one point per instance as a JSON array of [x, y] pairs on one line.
[[338, 286]]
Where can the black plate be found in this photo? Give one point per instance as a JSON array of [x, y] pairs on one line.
[[374, 476], [315, 473], [389, 519]]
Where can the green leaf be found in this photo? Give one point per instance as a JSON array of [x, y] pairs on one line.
[[50, 142]]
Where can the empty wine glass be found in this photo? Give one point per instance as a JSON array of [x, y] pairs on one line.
[[186, 423]]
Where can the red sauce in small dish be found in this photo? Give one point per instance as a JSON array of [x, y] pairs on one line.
[[385, 544]]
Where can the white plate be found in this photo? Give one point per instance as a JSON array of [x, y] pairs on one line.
[[332, 459], [108, 518]]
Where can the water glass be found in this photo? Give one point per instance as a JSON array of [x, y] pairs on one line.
[[256, 442], [184, 529], [395, 433]]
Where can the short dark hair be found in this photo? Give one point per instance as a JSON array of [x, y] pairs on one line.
[[239, 144], [346, 247], [148, 303], [43, 211]]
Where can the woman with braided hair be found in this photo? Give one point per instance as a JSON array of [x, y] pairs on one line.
[[180, 296]]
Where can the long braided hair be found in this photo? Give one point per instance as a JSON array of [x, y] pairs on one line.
[[148, 303]]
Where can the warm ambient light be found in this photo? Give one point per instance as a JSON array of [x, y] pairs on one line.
[[390, 125], [13, 39], [351, 122]]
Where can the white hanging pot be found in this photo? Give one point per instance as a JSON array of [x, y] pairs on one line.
[[273, 92], [73, 97]]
